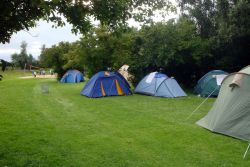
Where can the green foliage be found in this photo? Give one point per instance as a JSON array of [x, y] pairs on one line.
[[173, 46], [207, 36], [72, 58], [226, 23], [101, 49], [202, 12], [4, 64], [23, 57], [234, 20], [54, 57], [232, 47], [23, 14]]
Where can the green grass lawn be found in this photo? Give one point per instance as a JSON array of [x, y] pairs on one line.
[[62, 128]]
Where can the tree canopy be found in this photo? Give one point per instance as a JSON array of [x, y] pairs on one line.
[[54, 56], [208, 34], [174, 46], [177, 46], [16, 15]]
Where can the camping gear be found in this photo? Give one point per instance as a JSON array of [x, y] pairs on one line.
[[124, 72], [209, 84], [106, 83], [72, 76], [159, 84], [230, 114]]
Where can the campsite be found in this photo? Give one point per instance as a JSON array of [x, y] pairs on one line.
[[61, 128], [124, 83]]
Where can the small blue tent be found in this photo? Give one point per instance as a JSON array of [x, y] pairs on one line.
[[209, 84], [106, 83], [158, 84], [72, 76]]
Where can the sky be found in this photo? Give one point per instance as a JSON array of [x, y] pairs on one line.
[[43, 33]]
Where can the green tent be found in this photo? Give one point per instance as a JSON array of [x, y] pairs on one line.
[[208, 85], [230, 114]]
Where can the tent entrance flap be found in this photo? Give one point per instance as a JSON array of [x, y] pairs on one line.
[[220, 78], [150, 77]]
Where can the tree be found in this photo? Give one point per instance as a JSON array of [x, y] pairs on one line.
[[5, 64], [101, 49], [174, 46], [227, 25], [54, 57], [232, 47], [203, 12], [16, 15], [73, 58], [97, 50], [23, 57]]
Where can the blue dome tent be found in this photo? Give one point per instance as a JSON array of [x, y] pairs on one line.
[[106, 83], [159, 84], [122, 77], [209, 84], [72, 76]]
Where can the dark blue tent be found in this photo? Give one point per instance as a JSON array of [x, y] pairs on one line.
[[106, 83], [159, 84], [72, 76], [121, 76]]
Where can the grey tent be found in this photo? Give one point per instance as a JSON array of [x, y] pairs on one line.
[[160, 85], [230, 114]]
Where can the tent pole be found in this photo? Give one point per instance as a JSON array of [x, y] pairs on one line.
[[246, 151], [201, 104]]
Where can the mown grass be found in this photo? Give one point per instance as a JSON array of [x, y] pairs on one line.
[[62, 128]]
